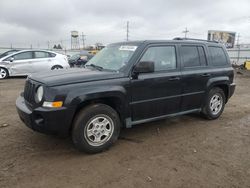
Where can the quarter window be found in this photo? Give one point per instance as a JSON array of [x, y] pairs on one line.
[[218, 56], [52, 55], [164, 57]]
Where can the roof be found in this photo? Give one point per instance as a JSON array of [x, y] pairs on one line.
[[175, 40]]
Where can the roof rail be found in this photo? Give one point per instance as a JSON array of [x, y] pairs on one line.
[[179, 38]]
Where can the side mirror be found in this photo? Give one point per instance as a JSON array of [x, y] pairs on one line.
[[11, 59], [144, 67]]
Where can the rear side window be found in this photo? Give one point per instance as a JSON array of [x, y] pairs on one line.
[[41, 54], [218, 56], [203, 59], [190, 56]]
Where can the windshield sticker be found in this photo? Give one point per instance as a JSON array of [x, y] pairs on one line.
[[128, 48]]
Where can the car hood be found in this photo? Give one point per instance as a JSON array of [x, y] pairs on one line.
[[73, 75]]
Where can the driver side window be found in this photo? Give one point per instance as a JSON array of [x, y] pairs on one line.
[[22, 56], [164, 57]]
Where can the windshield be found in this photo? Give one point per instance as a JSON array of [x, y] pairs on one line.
[[7, 53], [113, 57]]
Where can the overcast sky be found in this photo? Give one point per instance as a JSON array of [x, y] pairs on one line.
[[25, 22]]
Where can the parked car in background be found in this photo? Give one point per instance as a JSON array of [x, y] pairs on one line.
[[80, 59], [8, 53], [26, 62]]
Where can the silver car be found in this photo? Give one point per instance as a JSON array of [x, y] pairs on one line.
[[26, 62]]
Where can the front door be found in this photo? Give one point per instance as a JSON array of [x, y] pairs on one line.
[[159, 93], [21, 63]]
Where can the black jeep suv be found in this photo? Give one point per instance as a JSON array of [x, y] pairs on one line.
[[126, 84]]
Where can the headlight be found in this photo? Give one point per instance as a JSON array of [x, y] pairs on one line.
[[39, 94]]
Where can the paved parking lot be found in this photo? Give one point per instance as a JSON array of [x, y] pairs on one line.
[[187, 151]]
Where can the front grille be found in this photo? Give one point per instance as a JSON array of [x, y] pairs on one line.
[[29, 91]]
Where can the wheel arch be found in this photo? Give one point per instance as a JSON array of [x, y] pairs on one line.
[[220, 82], [8, 72], [114, 99]]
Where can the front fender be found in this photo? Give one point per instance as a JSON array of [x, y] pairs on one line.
[[76, 97]]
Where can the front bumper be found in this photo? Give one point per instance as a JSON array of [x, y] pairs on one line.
[[45, 120]]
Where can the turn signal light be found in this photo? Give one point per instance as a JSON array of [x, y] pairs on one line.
[[55, 104]]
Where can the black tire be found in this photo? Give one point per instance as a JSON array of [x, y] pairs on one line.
[[208, 111], [3, 73], [56, 67], [83, 120]]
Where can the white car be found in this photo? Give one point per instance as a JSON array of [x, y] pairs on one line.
[[26, 62]]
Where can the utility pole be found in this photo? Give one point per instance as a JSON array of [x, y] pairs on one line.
[[185, 31], [127, 30], [238, 39], [48, 45], [83, 40], [238, 45], [61, 43]]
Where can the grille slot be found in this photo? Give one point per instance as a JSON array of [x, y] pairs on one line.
[[29, 91]]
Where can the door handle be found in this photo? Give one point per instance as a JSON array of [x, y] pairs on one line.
[[206, 75], [174, 78]]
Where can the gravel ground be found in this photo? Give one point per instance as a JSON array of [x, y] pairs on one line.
[[185, 151]]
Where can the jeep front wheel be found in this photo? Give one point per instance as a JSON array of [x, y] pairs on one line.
[[95, 128], [215, 104]]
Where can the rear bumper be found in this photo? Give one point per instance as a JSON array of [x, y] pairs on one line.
[[45, 120], [231, 90]]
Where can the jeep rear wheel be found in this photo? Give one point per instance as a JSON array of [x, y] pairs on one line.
[[215, 104], [95, 128]]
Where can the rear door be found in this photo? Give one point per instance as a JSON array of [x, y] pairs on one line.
[[42, 61], [159, 93], [21, 64], [195, 75]]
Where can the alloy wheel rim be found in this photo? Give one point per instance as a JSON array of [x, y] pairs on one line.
[[216, 103], [99, 130], [3, 73]]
